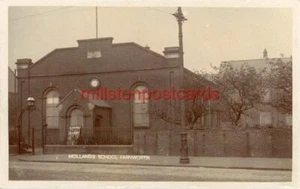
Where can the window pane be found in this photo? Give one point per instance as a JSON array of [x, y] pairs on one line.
[[52, 112], [55, 100], [140, 108], [52, 97], [141, 119], [49, 121], [141, 94], [97, 54], [89, 54], [52, 100], [140, 88], [49, 101], [76, 118], [288, 120], [141, 97], [265, 118], [52, 94], [52, 122]]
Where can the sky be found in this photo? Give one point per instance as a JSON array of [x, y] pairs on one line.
[[210, 35]]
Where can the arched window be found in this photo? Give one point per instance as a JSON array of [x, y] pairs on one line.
[[141, 107], [52, 112], [76, 118]]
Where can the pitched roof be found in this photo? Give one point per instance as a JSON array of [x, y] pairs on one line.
[[260, 63], [89, 98], [114, 57]]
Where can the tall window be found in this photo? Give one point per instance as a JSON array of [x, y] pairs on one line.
[[141, 107], [76, 118], [52, 112]]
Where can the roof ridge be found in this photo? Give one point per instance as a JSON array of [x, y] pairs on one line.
[[257, 59], [140, 46]]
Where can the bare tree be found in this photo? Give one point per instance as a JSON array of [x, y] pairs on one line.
[[279, 79], [240, 89], [196, 106]]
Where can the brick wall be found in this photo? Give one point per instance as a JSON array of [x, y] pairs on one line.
[[234, 143]]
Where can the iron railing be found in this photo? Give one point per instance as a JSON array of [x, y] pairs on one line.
[[87, 136]]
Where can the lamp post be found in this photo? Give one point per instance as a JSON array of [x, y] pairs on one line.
[[30, 104], [184, 148]]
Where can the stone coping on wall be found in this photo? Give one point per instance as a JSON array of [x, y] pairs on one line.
[[104, 149]]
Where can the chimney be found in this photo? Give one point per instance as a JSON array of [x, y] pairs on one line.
[[23, 63], [171, 52], [22, 66], [265, 54]]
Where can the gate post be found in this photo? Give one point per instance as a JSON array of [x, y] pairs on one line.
[[19, 139], [44, 137], [43, 145], [184, 157], [32, 141]]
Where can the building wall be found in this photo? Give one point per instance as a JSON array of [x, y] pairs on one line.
[[11, 81], [12, 111], [67, 69], [121, 109]]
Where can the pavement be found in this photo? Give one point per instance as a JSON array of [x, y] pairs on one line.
[[173, 161]]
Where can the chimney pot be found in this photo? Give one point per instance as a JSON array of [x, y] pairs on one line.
[[265, 54], [171, 52], [23, 63]]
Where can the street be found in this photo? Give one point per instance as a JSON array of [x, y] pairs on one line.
[[19, 170]]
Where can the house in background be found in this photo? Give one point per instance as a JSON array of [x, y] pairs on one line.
[[263, 114], [12, 111]]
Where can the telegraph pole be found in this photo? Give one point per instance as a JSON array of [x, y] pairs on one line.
[[96, 22], [29, 121], [180, 19], [184, 148]]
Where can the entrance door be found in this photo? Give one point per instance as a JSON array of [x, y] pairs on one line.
[[102, 126], [76, 124]]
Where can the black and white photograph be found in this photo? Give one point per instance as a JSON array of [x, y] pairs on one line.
[[166, 94]]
